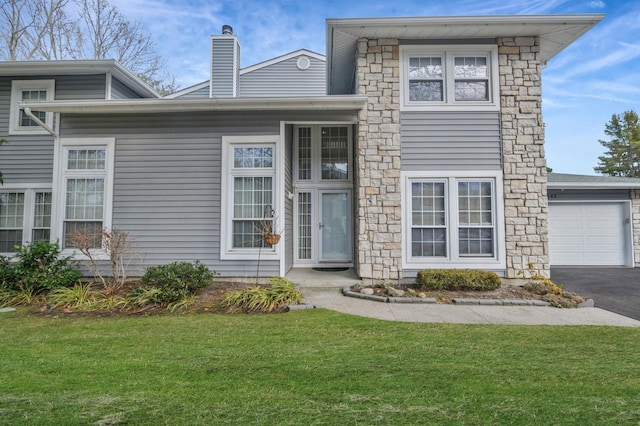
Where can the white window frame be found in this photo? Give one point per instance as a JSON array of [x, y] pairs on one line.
[[448, 53], [227, 251], [316, 157], [61, 174], [453, 259], [17, 87], [28, 220]]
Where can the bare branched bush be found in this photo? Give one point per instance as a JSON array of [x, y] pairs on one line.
[[117, 244]]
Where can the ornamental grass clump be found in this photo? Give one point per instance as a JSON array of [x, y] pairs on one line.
[[457, 280], [275, 296]]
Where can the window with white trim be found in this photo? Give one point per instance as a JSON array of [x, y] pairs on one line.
[[451, 219], [449, 76], [30, 91], [249, 182], [25, 216], [84, 187]]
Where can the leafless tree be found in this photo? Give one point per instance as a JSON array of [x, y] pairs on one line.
[[46, 30]]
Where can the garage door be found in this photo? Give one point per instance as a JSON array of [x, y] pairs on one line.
[[587, 233]]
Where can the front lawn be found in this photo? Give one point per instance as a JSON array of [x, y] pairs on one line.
[[312, 367]]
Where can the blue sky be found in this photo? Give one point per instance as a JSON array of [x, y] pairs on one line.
[[597, 76]]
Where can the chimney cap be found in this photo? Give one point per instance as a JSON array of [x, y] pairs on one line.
[[227, 30]]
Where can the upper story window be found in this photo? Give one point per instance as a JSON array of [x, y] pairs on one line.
[[30, 91], [463, 77]]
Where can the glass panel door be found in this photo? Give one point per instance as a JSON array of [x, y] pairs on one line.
[[335, 226]]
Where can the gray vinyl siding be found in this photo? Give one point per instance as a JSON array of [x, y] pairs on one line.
[[120, 91], [24, 158], [589, 195], [29, 158], [450, 141], [223, 71], [78, 87], [285, 79], [167, 190]]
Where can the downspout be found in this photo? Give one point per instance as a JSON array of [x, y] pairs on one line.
[[41, 124], [56, 145]]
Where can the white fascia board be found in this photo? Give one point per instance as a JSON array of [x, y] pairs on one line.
[[282, 58], [466, 20], [133, 106]]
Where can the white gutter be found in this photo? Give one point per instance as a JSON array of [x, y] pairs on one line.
[[133, 106], [593, 185], [40, 123]]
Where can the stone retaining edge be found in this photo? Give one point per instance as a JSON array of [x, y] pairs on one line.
[[589, 303]]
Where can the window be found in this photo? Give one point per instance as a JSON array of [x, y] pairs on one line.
[[85, 187], [452, 220], [249, 176], [25, 216], [428, 217], [426, 79], [323, 154], [464, 77], [30, 91]]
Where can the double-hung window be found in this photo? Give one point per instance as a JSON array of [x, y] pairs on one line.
[[25, 216], [452, 220], [449, 76], [30, 91], [249, 207], [84, 188]]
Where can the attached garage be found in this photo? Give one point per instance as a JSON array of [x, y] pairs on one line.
[[589, 233], [590, 220]]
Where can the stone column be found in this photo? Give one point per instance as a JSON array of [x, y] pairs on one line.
[[378, 221], [635, 209], [524, 164]]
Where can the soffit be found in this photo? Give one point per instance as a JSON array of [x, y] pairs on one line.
[[556, 32]]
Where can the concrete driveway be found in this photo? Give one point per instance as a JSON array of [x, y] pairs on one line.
[[614, 289]]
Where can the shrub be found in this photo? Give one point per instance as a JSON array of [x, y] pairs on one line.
[[279, 293], [40, 267], [458, 279], [175, 281]]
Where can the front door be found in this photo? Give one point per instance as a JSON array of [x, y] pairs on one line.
[[323, 231], [335, 226], [324, 228]]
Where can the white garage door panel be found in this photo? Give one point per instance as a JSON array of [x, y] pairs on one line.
[[587, 233]]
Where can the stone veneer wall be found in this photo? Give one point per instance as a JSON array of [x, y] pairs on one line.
[[378, 205], [635, 211], [524, 164]]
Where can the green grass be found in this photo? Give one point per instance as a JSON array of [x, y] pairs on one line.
[[311, 368]]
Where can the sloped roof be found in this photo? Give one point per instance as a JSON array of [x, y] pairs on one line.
[[556, 32], [255, 67], [78, 67], [568, 181]]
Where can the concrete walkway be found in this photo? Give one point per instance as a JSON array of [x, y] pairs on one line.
[[332, 298]]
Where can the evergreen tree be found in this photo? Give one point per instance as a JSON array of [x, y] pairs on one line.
[[622, 157]]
